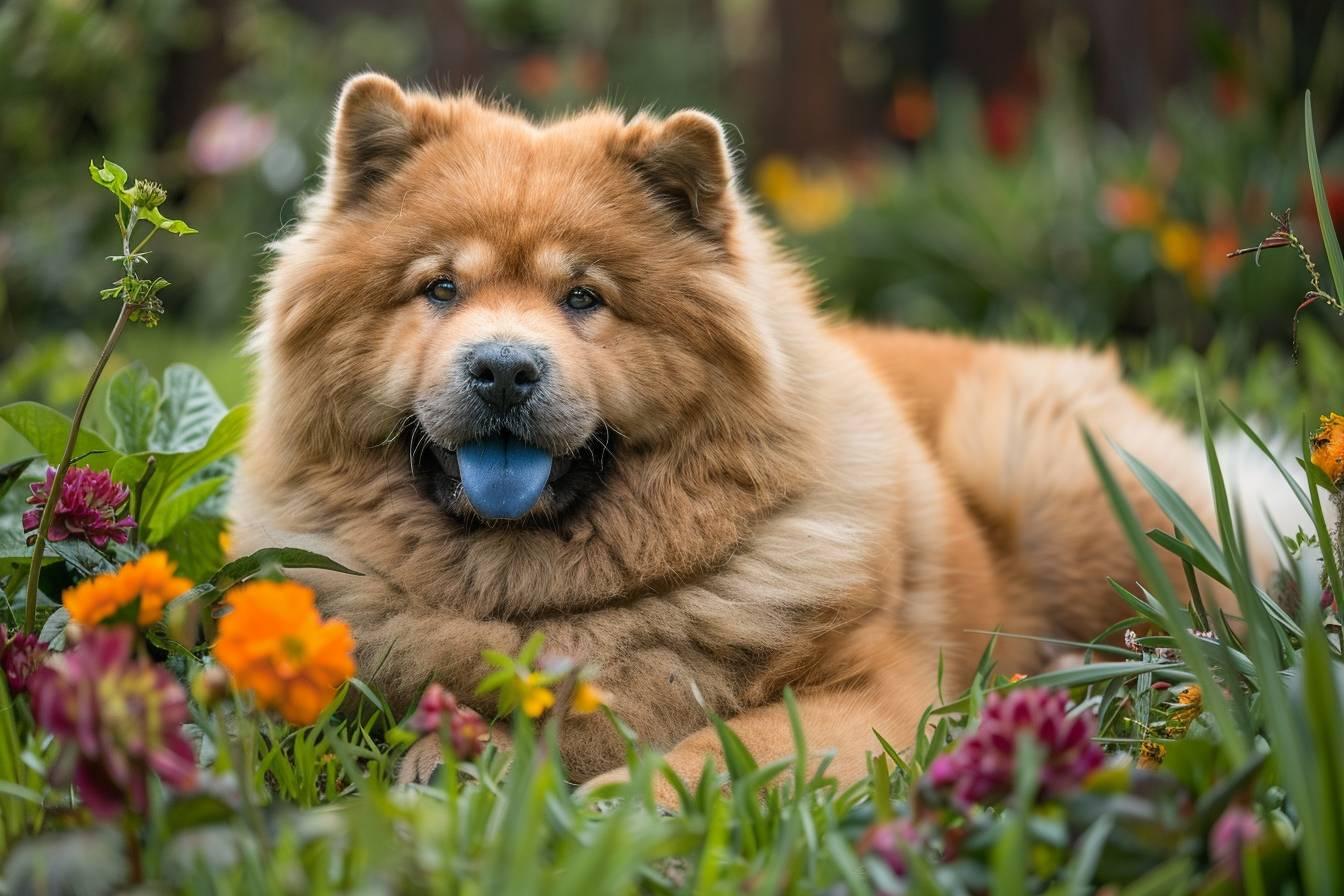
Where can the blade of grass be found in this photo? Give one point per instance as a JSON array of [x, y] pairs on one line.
[[1332, 252]]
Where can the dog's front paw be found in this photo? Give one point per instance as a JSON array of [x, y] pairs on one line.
[[425, 756], [420, 761]]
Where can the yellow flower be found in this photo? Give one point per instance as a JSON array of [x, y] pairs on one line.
[[149, 578], [1189, 704], [588, 697], [276, 645], [1151, 754], [1327, 448], [805, 202], [1179, 247], [776, 178], [534, 697], [226, 542]]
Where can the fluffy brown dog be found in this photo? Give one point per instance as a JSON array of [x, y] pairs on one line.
[[559, 377]]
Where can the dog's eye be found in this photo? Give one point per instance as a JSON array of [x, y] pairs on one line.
[[581, 298], [441, 291]]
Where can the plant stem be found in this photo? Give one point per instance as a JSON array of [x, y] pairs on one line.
[[130, 830], [137, 500], [54, 493]]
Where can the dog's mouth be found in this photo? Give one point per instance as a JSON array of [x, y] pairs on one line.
[[502, 478]]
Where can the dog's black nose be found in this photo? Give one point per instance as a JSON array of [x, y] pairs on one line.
[[503, 374]]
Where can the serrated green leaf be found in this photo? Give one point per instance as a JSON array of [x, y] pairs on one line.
[[133, 407], [47, 429]]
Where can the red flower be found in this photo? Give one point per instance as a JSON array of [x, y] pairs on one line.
[[118, 718], [1005, 119], [20, 655], [460, 726], [981, 768], [86, 509]]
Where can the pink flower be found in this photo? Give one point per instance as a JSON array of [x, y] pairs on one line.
[[1234, 831], [981, 768], [434, 703], [889, 842], [228, 137], [118, 719], [86, 509], [20, 655], [463, 728]]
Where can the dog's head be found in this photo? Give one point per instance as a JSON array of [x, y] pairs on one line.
[[529, 311]]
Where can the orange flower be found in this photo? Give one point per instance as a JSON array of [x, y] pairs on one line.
[[1129, 205], [276, 645], [1327, 447], [912, 112], [150, 579]]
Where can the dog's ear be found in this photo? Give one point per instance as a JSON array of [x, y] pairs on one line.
[[685, 161], [373, 135]]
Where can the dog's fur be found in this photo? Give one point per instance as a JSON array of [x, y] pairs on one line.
[[790, 502]]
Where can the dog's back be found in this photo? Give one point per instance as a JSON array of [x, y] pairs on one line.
[[1004, 423]]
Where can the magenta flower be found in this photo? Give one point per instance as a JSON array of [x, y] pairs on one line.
[[435, 702], [1234, 831], [981, 768], [20, 655], [87, 507], [118, 719], [890, 841], [462, 727]]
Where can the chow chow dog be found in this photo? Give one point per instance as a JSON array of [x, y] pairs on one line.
[[559, 377]]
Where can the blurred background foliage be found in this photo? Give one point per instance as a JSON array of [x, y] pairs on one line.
[[1045, 169]]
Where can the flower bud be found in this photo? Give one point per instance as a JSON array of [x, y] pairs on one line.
[[148, 194], [210, 687]]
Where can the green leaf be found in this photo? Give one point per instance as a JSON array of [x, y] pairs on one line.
[[13, 471], [1332, 251], [173, 470], [190, 411], [194, 546], [177, 508], [112, 176], [172, 225], [133, 407], [196, 810], [244, 567], [47, 429], [53, 630]]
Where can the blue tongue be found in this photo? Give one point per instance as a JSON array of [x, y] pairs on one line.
[[502, 476]]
